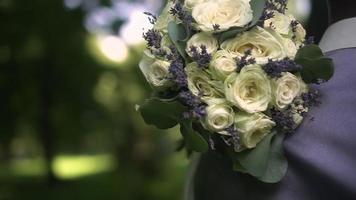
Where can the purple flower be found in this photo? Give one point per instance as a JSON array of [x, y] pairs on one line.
[[197, 109], [284, 120], [151, 17], [275, 68], [245, 60], [153, 38], [182, 14], [202, 57], [278, 5], [234, 138], [311, 98]]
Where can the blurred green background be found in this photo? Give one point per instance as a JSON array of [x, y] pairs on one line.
[[69, 83]]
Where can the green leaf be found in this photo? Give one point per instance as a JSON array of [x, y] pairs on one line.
[[177, 32], [232, 32], [162, 114], [309, 52], [192, 138], [255, 160], [322, 68], [265, 162], [238, 167], [258, 8], [277, 164], [315, 65], [179, 36]]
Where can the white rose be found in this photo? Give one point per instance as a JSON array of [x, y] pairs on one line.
[[191, 3], [291, 48], [165, 17], [253, 128], [166, 43], [281, 23], [286, 89], [264, 44], [299, 33], [200, 84], [155, 71], [222, 65], [206, 39], [219, 116], [250, 90], [225, 13]]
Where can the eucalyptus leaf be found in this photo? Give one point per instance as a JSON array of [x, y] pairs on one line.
[[238, 167], [255, 160], [162, 114], [193, 139], [179, 36], [309, 52], [258, 7], [232, 32], [314, 70], [277, 165], [315, 65], [266, 162]]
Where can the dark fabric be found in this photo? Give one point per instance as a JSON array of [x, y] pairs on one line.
[[321, 154]]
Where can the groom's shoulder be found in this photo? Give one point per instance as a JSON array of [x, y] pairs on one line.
[[324, 146]]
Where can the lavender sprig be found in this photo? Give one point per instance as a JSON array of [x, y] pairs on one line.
[[275, 68], [151, 17], [197, 109], [176, 68], [245, 60], [294, 24], [216, 27], [153, 38], [311, 98], [284, 120], [234, 140], [278, 5], [182, 14], [266, 15], [202, 57]]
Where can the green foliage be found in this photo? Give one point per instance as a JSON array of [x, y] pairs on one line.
[[232, 32], [265, 162], [193, 139], [315, 65], [167, 114], [179, 36], [257, 8], [310, 52], [162, 114]]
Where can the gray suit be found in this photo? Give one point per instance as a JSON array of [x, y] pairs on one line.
[[321, 154]]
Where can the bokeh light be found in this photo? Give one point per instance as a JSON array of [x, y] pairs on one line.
[[131, 32], [300, 9], [113, 48], [72, 167]]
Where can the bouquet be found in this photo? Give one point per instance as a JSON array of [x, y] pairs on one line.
[[235, 75]]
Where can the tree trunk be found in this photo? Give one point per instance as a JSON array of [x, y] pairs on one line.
[[45, 127]]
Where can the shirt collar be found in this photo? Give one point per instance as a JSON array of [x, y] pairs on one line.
[[339, 35]]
